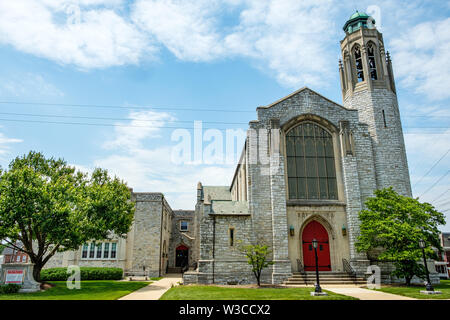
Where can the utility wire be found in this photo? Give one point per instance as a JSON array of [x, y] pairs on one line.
[[143, 120], [135, 126], [434, 165], [444, 203], [101, 124], [440, 196], [435, 183], [176, 108], [122, 107], [121, 119]]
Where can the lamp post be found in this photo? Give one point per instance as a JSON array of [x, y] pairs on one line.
[[318, 288], [429, 287]]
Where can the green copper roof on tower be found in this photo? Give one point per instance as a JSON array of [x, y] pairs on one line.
[[357, 21]]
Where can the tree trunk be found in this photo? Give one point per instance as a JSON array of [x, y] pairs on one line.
[[408, 281], [37, 271]]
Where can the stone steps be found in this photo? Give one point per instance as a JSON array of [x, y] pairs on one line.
[[174, 270], [327, 277]]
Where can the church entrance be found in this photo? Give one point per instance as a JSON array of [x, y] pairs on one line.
[[181, 256], [314, 230]]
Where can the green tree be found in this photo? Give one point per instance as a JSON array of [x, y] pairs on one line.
[[50, 207], [393, 224], [257, 255]]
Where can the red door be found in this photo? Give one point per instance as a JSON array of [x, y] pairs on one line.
[[314, 230]]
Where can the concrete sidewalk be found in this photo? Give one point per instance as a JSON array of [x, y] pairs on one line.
[[154, 290], [365, 294]]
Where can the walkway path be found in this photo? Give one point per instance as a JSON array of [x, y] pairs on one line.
[[154, 290], [365, 294]]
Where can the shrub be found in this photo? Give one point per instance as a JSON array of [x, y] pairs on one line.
[[9, 288], [87, 273]]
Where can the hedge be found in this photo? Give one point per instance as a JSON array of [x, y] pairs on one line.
[[9, 288], [87, 273]]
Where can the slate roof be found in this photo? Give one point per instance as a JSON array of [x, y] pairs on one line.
[[229, 207], [217, 193]]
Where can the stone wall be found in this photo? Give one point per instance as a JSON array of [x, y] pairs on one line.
[[179, 237]]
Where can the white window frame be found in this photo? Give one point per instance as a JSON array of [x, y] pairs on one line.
[[102, 248], [187, 225]]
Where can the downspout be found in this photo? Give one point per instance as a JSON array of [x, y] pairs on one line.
[[160, 234], [214, 247]]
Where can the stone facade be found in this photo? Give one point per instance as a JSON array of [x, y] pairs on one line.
[[181, 237], [145, 250], [357, 148], [368, 152]]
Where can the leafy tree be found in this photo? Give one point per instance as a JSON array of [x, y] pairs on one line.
[[393, 224], [256, 257], [50, 207]]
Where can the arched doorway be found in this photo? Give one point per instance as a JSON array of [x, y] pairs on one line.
[[314, 230], [181, 256]]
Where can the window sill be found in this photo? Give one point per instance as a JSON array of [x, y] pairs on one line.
[[317, 203]]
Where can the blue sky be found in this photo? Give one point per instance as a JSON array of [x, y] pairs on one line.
[[175, 56]]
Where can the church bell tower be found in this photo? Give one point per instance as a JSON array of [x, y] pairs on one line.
[[368, 85]]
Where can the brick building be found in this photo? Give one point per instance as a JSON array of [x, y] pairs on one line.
[[12, 255]]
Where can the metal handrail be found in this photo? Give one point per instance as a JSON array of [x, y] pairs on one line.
[[348, 268]]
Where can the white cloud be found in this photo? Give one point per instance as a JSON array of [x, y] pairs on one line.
[[5, 143], [289, 37], [143, 125], [421, 56], [86, 37], [186, 28], [137, 159], [26, 85]]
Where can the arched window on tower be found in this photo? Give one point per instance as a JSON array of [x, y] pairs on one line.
[[310, 163], [359, 64], [372, 64]]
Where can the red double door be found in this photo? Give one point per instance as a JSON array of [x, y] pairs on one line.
[[314, 230]]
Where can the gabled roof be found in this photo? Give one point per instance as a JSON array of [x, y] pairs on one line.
[[217, 193], [229, 207], [299, 91]]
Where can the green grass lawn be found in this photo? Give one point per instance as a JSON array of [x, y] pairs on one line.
[[90, 290], [195, 292], [414, 291]]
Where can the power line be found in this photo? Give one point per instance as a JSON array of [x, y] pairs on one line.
[[441, 195], [175, 108], [121, 119], [445, 203], [100, 124], [143, 120], [134, 126], [434, 165], [187, 108], [435, 183]]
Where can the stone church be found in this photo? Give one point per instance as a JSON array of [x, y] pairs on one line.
[[306, 170]]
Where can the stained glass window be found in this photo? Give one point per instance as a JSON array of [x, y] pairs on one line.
[[310, 163]]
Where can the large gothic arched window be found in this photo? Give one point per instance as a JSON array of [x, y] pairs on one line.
[[310, 163]]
